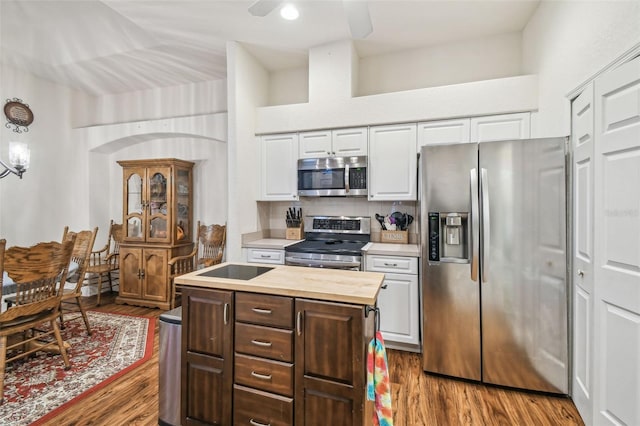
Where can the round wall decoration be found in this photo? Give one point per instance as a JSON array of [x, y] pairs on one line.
[[18, 114]]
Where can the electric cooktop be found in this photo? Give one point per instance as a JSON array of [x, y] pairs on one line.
[[237, 272]]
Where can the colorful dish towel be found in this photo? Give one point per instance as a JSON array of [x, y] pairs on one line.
[[378, 387]]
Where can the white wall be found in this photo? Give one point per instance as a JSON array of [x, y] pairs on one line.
[[140, 117], [341, 207], [204, 97], [53, 192], [497, 96], [290, 86], [75, 181], [566, 43], [248, 89], [452, 63]]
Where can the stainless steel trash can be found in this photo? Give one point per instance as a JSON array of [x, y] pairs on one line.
[[169, 367]]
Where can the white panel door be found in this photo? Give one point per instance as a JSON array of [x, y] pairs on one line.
[[399, 310], [393, 163], [443, 131], [617, 246], [349, 142], [501, 127], [582, 144], [278, 167], [315, 144]]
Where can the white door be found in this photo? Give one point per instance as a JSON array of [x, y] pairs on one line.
[[617, 246], [443, 131], [393, 163], [315, 144], [582, 144], [399, 310], [349, 142], [501, 127], [278, 167]]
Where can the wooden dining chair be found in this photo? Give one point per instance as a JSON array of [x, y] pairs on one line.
[[107, 260], [81, 255], [37, 272], [208, 250]]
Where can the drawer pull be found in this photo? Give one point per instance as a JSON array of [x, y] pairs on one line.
[[265, 256], [260, 343], [261, 376], [255, 423], [261, 311], [395, 265], [383, 286]]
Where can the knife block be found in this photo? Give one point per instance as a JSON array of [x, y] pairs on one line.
[[294, 233]]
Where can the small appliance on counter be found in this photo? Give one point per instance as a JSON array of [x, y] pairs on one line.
[[294, 223]]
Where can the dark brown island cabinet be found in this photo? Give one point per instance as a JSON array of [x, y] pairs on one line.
[[253, 358]]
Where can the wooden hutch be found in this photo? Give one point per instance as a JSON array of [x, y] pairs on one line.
[[158, 222]]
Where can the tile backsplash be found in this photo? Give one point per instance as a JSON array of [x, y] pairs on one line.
[[335, 206]]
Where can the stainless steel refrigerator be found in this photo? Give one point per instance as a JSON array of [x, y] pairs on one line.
[[494, 266]]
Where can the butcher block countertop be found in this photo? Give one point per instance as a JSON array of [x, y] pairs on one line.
[[332, 285]]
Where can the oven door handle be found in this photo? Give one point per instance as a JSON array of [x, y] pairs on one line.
[[299, 261]]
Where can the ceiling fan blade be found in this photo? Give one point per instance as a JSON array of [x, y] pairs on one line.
[[263, 7], [358, 17]]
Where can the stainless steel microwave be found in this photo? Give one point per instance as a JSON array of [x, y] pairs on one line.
[[332, 177]]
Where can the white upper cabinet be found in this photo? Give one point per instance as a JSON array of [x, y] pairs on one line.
[[393, 172], [330, 143], [279, 167], [501, 127], [444, 131]]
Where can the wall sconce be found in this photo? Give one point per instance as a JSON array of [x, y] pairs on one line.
[[19, 157]]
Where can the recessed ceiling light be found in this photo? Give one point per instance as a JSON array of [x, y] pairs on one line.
[[289, 12]]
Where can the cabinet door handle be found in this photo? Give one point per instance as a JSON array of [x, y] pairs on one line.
[[261, 343], [384, 286], [225, 314], [261, 376], [261, 311], [255, 423], [299, 323]]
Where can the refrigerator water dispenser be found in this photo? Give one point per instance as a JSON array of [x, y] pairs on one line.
[[448, 240]]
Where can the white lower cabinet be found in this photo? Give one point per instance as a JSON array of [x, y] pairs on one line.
[[398, 300], [256, 255]]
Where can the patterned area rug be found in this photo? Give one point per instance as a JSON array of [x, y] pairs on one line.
[[36, 389]]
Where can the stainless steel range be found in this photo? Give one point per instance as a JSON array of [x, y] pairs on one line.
[[333, 242]]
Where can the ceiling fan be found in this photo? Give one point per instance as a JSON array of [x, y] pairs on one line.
[[357, 13]]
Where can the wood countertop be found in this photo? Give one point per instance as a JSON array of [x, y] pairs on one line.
[[333, 285]]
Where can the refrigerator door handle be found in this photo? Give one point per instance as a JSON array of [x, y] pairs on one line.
[[475, 234], [486, 225]]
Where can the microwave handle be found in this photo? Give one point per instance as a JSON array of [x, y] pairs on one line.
[[346, 178]]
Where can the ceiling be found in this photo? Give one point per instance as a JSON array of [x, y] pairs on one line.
[[104, 47]]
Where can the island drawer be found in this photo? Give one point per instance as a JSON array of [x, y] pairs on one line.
[[276, 311], [263, 374], [265, 342], [254, 407]]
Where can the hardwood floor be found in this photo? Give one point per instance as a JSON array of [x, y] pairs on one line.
[[419, 399]]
